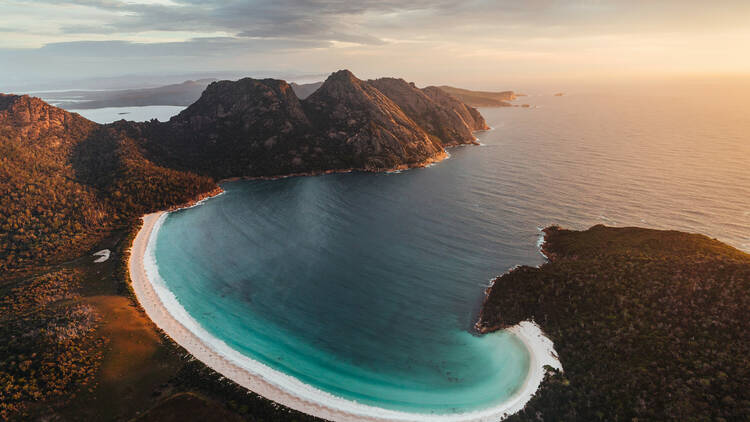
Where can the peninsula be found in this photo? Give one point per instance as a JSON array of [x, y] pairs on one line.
[[650, 325], [481, 98]]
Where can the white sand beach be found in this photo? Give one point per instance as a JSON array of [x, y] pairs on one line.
[[102, 255], [161, 306]]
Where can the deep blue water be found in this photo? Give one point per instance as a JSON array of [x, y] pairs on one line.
[[366, 285]]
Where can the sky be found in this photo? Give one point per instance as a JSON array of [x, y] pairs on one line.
[[472, 43]]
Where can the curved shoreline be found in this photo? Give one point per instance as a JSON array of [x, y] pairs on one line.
[[160, 305]]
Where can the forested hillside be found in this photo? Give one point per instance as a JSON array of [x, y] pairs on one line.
[[46, 213], [649, 325], [66, 181]]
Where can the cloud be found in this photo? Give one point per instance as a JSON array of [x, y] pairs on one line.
[[303, 20], [197, 47], [439, 36], [375, 22], [83, 59]]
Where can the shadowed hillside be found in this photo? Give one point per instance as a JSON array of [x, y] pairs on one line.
[[305, 90], [260, 128]]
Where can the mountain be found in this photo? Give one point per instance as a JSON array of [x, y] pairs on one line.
[[371, 131], [305, 90], [481, 98], [44, 208], [471, 116], [30, 120], [245, 128], [260, 128], [449, 122], [65, 181]]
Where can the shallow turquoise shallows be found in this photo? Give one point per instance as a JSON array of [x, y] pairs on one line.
[[360, 295], [366, 285]]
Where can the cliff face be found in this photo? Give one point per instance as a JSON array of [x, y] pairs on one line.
[[260, 128], [373, 132], [469, 114], [245, 128], [444, 120], [31, 120]]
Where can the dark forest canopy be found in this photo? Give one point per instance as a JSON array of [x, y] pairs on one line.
[[649, 325]]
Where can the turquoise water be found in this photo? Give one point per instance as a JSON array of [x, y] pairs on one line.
[[366, 285], [316, 277]]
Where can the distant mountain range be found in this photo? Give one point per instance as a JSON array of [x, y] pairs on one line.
[[181, 94], [305, 90], [186, 93]]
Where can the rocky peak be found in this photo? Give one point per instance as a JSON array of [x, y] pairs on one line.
[[450, 122], [31, 119], [346, 98], [249, 127], [25, 110], [356, 115], [343, 75], [343, 86], [245, 100]]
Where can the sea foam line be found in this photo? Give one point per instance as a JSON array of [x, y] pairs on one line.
[[168, 314]]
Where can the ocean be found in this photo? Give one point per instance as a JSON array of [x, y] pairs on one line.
[[366, 286]]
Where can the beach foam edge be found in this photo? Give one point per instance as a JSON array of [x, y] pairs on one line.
[[161, 307]]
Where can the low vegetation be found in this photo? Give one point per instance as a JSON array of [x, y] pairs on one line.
[[49, 348]]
